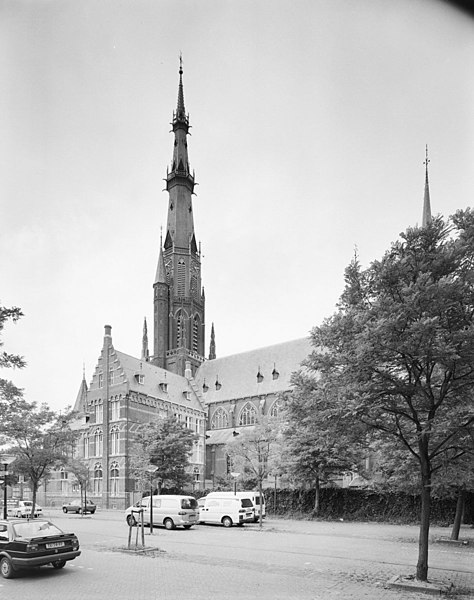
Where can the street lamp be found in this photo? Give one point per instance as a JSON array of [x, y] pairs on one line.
[[5, 460], [235, 475]]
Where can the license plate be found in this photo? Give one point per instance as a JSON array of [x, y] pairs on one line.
[[248, 515], [55, 545], [192, 517]]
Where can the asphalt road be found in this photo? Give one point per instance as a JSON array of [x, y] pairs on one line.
[[286, 559]]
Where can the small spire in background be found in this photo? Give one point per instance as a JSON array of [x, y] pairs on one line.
[[426, 219]]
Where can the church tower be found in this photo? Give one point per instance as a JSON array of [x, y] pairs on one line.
[[178, 295]]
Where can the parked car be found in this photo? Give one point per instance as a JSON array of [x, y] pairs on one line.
[[78, 507], [227, 510], [252, 495], [22, 509], [27, 544], [168, 510]]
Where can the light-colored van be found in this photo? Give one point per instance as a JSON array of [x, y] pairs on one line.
[[168, 510], [254, 496], [225, 509]]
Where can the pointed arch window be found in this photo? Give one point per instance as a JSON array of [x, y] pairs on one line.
[[115, 409], [115, 440], [114, 479], [97, 478], [179, 329], [196, 328], [181, 278], [275, 410], [98, 442], [248, 414], [86, 446], [220, 419]]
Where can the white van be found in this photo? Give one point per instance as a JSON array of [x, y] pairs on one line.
[[253, 496], [225, 509], [168, 510]]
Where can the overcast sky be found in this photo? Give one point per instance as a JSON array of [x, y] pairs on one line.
[[309, 124]]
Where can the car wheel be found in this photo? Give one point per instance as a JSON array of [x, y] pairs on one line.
[[131, 521], [6, 568], [64, 510], [92, 511], [58, 564], [169, 524], [227, 522], [79, 512]]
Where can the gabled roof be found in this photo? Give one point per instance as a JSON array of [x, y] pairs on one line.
[[237, 374], [153, 376], [81, 399]]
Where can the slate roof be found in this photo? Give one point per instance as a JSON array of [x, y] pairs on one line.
[[153, 376], [237, 373]]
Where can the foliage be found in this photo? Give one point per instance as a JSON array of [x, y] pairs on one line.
[[9, 393], [320, 442], [165, 444], [81, 474], [399, 352], [256, 451], [40, 438]]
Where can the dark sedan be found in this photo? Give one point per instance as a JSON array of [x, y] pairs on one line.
[[78, 507], [24, 545]]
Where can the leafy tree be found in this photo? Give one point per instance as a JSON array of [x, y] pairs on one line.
[[81, 474], [40, 438], [400, 349], [167, 445], [320, 443], [255, 451], [9, 393]]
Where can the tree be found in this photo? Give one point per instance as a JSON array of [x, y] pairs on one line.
[[319, 441], [400, 349], [255, 450], [81, 473], [40, 438], [9, 393], [167, 445]]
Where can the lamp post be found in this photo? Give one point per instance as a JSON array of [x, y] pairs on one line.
[[152, 470], [235, 475], [5, 460]]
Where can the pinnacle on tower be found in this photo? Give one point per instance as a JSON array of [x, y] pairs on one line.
[[426, 218], [212, 345], [145, 352]]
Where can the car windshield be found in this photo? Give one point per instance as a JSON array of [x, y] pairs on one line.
[[35, 529], [189, 503]]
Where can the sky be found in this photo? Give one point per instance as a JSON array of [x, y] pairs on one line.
[[309, 125]]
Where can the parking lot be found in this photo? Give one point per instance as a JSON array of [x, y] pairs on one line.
[[286, 559]]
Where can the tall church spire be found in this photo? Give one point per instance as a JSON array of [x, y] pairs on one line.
[[426, 219], [178, 299]]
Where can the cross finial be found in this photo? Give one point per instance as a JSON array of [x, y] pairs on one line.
[[180, 63], [427, 160]]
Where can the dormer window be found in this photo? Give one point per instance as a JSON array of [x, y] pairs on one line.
[[218, 384], [164, 387], [259, 376], [275, 373], [187, 395], [205, 387], [140, 378]]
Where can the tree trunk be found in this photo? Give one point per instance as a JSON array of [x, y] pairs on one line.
[[422, 564], [260, 519], [459, 515], [316, 497], [33, 500]]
